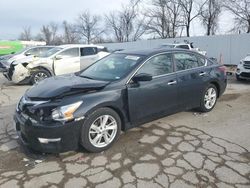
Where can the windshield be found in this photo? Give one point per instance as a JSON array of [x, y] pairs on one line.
[[112, 67], [21, 51], [50, 52]]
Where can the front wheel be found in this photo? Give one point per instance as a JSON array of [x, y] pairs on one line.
[[100, 130], [209, 99], [39, 75]]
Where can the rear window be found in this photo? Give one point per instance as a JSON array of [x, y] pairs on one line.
[[88, 51]]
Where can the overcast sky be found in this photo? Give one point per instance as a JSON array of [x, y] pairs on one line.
[[16, 14]]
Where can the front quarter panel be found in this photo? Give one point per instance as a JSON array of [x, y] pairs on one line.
[[110, 98]]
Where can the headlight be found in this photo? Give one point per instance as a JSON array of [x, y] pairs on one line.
[[65, 113]]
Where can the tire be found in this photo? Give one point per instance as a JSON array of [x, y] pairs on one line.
[[206, 106], [43, 74], [93, 139]]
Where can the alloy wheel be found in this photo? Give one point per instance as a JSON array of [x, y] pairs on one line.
[[210, 98], [40, 76], [102, 131]]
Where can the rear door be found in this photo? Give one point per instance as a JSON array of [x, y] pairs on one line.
[[88, 56], [157, 96], [192, 76], [68, 61]]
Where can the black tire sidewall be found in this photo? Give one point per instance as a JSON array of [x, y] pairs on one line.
[[84, 140], [36, 72], [202, 103]]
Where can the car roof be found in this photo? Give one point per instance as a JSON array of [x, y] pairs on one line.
[[79, 45], [150, 52]]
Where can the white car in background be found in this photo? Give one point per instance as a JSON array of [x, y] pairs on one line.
[[187, 46], [27, 53], [60, 60], [243, 69]]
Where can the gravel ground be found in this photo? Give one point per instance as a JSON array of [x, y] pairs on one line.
[[187, 149]]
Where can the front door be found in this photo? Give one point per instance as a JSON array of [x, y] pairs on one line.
[[155, 97], [68, 61]]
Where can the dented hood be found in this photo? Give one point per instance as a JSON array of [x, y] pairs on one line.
[[60, 86]]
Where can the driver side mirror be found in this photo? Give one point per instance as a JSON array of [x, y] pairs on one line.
[[143, 77], [27, 54], [58, 57]]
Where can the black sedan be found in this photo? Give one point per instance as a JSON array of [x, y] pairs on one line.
[[118, 92]]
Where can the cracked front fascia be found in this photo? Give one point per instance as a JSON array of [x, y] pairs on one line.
[[20, 73]]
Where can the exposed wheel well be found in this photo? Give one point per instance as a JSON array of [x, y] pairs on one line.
[[217, 87], [41, 68]]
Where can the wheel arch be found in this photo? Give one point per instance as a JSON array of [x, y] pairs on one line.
[[112, 107], [42, 68], [217, 85]]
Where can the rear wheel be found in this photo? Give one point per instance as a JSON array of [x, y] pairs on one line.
[[39, 75], [209, 98], [100, 130]]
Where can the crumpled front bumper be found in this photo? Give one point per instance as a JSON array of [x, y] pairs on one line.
[[17, 73], [45, 138]]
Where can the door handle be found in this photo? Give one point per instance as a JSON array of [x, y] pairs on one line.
[[202, 73], [172, 83]]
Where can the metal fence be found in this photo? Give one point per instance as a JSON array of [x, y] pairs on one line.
[[232, 48]]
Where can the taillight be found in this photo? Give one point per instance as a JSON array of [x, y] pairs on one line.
[[223, 69]]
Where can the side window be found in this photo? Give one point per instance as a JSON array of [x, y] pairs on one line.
[[183, 46], [42, 50], [201, 61], [88, 51], [72, 52], [158, 65], [186, 61]]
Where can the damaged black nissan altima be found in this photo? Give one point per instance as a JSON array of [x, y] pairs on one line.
[[118, 92]]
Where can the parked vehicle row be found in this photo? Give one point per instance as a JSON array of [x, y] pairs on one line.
[[187, 46], [118, 92], [36, 64], [27, 53], [243, 69]]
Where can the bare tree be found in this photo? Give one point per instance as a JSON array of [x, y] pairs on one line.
[[158, 19], [126, 24], [174, 9], [241, 11], [26, 34], [70, 35], [191, 9], [49, 33], [163, 18], [114, 22], [88, 26], [210, 14]]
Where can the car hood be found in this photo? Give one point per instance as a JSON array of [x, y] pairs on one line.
[[15, 57], [60, 86], [26, 59], [246, 58]]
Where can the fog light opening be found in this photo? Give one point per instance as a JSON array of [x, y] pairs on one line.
[[48, 140]]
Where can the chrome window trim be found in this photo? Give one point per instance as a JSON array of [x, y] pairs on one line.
[[175, 72]]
